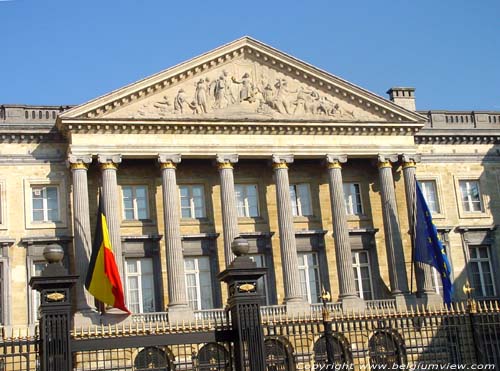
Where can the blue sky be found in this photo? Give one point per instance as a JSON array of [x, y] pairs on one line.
[[70, 51]]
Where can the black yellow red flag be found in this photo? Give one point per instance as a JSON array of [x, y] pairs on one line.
[[103, 279]]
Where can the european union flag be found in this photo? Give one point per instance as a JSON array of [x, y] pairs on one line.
[[428, 247]]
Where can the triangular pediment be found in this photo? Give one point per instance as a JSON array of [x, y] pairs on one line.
[[243, 80]]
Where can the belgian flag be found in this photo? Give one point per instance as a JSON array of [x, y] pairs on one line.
[[103, 279]]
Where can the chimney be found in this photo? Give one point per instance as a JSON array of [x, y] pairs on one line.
[[404, 97]]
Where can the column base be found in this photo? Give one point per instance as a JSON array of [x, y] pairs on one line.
[[296, 307], [405, 301], [353, 304], [430, 300], [86, 318], [180, 313]]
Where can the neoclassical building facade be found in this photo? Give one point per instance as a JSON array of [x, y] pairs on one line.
[[316, 173]]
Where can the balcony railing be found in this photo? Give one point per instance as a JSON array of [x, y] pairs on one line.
[[219, 315]]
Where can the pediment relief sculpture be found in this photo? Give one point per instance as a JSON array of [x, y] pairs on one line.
[[245, 89]]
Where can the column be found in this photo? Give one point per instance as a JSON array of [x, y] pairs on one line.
[[82, 241], [423, 272], [228, 202], [345, 273], [393, 242], [288, 245], [109, 165], [178, 308]]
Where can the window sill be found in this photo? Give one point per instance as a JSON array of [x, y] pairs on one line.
[[250, 220], [46, 225], [355, 218], [474, 215], [305, 219], [137, 223], [193, 221]]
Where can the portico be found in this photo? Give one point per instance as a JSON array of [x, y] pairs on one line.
[[273, 165]]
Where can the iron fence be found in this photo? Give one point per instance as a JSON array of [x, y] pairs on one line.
[[19, 350]]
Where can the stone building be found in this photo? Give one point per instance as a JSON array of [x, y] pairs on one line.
[[245, 140]]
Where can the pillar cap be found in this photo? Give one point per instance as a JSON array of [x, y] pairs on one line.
[[240, 246]]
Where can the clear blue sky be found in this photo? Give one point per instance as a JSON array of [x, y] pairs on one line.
[[70, 51]]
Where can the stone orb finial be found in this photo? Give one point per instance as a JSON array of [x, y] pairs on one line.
[[240, 246], [53, 253]]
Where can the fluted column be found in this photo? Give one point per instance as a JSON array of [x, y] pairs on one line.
[[423, 272], [82, 241], [228, 202], [177, 299], [109, 165], [288, 245], [347, 287], [393, 242]]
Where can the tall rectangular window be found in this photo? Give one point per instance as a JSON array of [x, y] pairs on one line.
[[362, 274], [429, 190], [301, 199], [45, 204], [247, 200], [352, 197], [135, 202], [471, 196], [199, 282], [2, 304], [192, 201], [140, 285], [262, 288], [309, 276], [36, 270], [480, 272]]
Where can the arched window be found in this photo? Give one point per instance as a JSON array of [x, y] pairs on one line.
[[33, 115], [386, 349], [47, 114], [213, 357], [26, 114], [152, 359], [39, 114], [278, 357], [53, 114], [340, 350]]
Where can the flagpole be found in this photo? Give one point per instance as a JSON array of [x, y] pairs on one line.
[[412, 232]]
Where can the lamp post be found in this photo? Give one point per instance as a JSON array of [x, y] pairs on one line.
[[327, 327]]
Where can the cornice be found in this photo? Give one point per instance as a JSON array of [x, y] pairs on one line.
[[458, 137], [248, 48], [237, 127]]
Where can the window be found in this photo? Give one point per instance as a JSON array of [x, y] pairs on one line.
[[198, 282], [362, 274], [301, 199], [309, 276], [2, 304], [352, 196], [247, 200], [140, 285], [135, 202], [45, 204], [36, 270], [480, 271], [471, 196], [429, 191], [192, 201], [260, 260]]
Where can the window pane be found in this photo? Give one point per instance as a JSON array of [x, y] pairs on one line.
[[305, 199], [293, 196]]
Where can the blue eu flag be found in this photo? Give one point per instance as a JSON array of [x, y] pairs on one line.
[[428, 247]]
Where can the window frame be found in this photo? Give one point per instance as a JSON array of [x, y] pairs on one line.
[[60, 185], [196, 271], [484, 199], [297, 211], [349, 206], [43, 190], [140, 276], [423, 186], [470, 202], [3, 205], [439, 195], [5, 282], [357, 268], [135, 209], [246, 206], [478, 261], [192, 208], [307, 268]]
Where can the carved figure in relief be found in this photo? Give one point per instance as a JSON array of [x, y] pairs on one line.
[[181, 103], [164, 106], [201, 96], [282, 98], [222, 91], [303, 101], [246, 90]]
